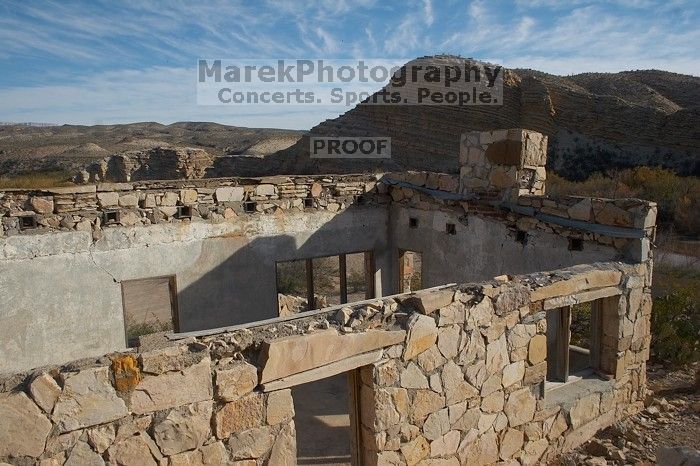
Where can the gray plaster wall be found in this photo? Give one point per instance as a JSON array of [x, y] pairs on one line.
[[482, 249], [60, 293]]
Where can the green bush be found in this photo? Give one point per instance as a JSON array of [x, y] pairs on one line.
[[675, 327]]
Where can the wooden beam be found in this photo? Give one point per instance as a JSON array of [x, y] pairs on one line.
[[310, 297], [342, 267]]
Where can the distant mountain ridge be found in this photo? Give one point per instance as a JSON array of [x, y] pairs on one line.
[[595, 122]]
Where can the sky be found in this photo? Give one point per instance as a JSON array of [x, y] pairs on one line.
[[107, 62]]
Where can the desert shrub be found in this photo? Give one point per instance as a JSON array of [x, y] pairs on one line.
[[291, 278], [675, 327], [39, 179], [678, 198]]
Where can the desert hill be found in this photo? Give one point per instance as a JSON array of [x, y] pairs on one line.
[[595, 122], [72, 147]]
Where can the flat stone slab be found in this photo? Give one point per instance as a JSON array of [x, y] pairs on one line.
[[323, 372], [291, 355], [88, 399]]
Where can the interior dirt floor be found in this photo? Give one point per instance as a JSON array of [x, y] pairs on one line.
[[322, 422]]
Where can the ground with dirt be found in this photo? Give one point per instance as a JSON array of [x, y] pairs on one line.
[[670, 419]]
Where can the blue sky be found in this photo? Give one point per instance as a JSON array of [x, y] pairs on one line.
[[97, 62]]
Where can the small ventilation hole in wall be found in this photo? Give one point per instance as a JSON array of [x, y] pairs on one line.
[[412, 222], [184, 212], [575, 244], [308, 202], [450, 228], [521, 236], [110, 217], [27, 222], [249, 207]]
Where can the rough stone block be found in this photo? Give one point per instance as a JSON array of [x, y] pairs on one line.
[[422, 334], [280, 407], [45, 391], [236, 381], [291, 355], [230, 194], [428, 302], [239, 415], [155, 393], [23, 427], [88, 398]]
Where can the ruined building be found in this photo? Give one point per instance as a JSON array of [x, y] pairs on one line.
[[462, 319]]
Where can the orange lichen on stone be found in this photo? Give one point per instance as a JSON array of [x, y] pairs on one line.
[[126, 372]]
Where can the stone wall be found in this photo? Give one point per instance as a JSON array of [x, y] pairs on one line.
[[452, 375], [510, 162], [83, 208]]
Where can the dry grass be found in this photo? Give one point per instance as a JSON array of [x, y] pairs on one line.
[[47, 179]]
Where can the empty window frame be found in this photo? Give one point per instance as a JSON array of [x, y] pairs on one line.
[[410, 271], [324, 281], [574, 336], [150, 306]]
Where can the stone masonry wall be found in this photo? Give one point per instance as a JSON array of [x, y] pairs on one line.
[[508, 161], [151, 202], [452, 375]]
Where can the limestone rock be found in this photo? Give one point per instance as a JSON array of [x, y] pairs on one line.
[[284, 451], [493, 403], [102, 437], [436, 425], [87, 399], [239, 415], [424, 403], [184, 428], [483, 450], [155, 393], [252, 443], [448, 341], [138, 449], [428, 302], [452, 314], [422, 334], [520, 407], [42, 204], [45, 391], [445, 445], [23, 427], [513, 373], [171, 358], [234, 382], [497, 355], [456, 387], [210, 455], [229, 194], [430, 359], [415, 450], [294, 354], [511, 442], [537, 349], [413, 377], [83, 455], [280, 407]]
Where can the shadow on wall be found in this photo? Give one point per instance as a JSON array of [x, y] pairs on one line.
[[242, 287]]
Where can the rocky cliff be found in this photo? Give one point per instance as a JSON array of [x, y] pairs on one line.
[[594, 122]]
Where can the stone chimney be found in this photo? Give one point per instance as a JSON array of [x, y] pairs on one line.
[[506, 162]]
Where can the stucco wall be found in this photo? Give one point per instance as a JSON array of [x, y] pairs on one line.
[[225, 275], [483, 248]]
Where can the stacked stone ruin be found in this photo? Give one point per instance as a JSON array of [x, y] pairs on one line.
[[453, 374]]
